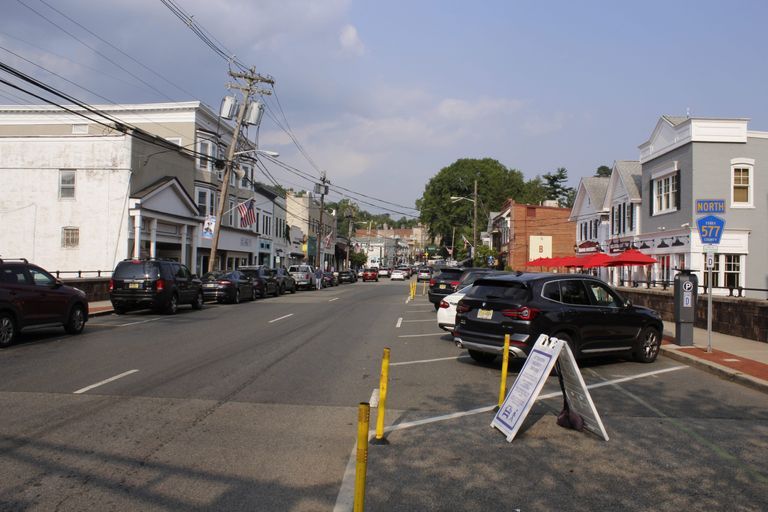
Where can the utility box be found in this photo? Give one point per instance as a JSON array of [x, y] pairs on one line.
[[686, 292]]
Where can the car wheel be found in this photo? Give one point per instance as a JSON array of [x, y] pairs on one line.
[[7, 329], [293, 289], [481, 357], [173, 305], [648, 344], [236, 298], [75, 321], [264, 292], [198, 302], [566, 338]]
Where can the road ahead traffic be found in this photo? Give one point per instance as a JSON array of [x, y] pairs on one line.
[[254, 407]]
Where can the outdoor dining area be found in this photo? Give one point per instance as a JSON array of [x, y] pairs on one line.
[[630, 257]]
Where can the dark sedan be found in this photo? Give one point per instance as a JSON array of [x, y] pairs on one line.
[[264, 280], [580, 309], [228, 287], [347, 276]]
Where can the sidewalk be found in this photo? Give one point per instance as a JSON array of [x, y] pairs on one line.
[[100, 307], [736, 359]]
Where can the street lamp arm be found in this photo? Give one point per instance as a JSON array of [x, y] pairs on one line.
[[273, 154], [456, 199]]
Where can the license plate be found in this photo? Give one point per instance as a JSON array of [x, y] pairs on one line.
[[484, 314], [134, 285], [442, 287], [209, 286]]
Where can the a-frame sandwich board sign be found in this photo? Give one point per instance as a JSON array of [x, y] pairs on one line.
[[529, 382]]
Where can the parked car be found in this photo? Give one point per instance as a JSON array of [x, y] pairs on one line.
[[446, 314], [371, 274], [228, 287], [285, 281], [154, 283], [582, 310], [424, 274], [304, 276], [406, 270], [398, 275], [329, 279], [264, 279], [384, 272], [360, 273], [30, 296], [443, 283], [347, 276]]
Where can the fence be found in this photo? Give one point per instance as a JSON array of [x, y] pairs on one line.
[[83, 273]]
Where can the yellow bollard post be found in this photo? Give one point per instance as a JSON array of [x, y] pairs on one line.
[[363, 416], [504, 366], [380, 410]]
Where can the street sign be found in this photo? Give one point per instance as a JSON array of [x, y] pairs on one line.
[[707, 206], [710, 249], [710, 261], [531, 379], [710, 229]]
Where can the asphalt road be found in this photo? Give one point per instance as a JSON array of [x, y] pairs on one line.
[[241, 407]]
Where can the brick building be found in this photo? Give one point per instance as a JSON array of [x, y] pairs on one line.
[[523, 232]]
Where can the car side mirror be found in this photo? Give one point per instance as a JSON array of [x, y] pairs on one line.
[[627, 304], [57, 283]]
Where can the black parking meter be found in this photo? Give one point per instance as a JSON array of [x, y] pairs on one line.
[[686, 291]]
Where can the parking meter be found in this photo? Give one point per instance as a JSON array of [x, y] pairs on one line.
[[686, 291]]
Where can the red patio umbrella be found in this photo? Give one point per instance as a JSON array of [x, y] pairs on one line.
[[631, 257], [598, 259], [538, 262]]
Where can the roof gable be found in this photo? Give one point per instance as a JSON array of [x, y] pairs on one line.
[[167, 195], [590, 197]]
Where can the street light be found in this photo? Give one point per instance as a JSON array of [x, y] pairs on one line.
[[273, 154], [456, 199]]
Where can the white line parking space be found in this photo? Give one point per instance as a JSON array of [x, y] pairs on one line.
[[333, 299], [280, 318], [141, 322], [422, 335], [414, 321], [429, 360], [105, 381], [399, 322], [421, 311]]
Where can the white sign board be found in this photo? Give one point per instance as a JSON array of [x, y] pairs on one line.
[[710, 261], [531, 379], [710, 249], [539, 247]]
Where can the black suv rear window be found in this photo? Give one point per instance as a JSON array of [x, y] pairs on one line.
[[504, 291], [137, 270], [450, 273]]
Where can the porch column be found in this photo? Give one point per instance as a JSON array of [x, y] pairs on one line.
[[184, 244], [153, 239], [193, 260], [137, 236]]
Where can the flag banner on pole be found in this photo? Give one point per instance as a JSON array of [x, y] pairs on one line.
[[208, 226], [247, 213], [328, 240]]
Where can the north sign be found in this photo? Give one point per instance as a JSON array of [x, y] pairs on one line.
[[705, 206], [710, 229]]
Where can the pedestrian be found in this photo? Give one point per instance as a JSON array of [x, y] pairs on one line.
[[318, 278]]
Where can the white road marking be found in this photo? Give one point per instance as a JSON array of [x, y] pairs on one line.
[[408, 299], [732, 360], [140, 322], [374, 401], [399, 322], [105, 381], [429, 360], [345, 498], [421, 335], [333, 299], [424, 320], [280, 318], [422, 311]]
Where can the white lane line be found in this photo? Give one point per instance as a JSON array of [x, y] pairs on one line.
[[422, 311], [280, 318], [424, 320], [429, 360], [140, 322], [333, 299], [408, 299], [399, 323], [422, 335], [105, 381], [374, 401]]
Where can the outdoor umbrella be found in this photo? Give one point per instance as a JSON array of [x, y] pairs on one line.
[[598, 259], [631, 257], [538, 262]]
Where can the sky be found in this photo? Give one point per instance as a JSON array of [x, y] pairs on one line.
[[382, 95]]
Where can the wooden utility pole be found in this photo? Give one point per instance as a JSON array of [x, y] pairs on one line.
[[321, 228], [252, 78], [474, 224]]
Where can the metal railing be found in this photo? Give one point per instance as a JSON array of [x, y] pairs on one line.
[[81, 273], [733, 291]]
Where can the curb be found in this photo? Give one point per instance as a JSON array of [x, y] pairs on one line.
[[102, 312], [717, 369]]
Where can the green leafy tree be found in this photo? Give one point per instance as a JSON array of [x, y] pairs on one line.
[[481, 255], [357, 259], [555, 185], [495, 184], [603, 171]]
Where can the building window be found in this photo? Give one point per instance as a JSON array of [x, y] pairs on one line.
[[742, 176], [732, 270], [665, 193], [206, 203], [231, 212], [205, 150], [70, 237], [247, 176], [66, 184], [267, 225]]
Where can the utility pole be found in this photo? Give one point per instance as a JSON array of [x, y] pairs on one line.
[[251, 78], [474, 223], [322, 187], [349, 237]]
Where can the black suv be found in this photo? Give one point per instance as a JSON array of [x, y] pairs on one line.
[[30, 296], [443, 283], [580, 309], [154, 283], [264, 280]]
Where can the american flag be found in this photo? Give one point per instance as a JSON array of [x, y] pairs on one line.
[[247, 214]]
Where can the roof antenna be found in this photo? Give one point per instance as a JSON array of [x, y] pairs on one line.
[[688, 112]]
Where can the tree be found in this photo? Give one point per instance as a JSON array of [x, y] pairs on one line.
[[480, 258], [358, 259], [556, 188], [495, 184], [603, 171]]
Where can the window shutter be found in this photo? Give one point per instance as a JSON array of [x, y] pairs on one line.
[[677, 192], [650, 198]]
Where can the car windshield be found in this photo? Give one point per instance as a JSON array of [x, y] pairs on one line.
[[502, 291], [137, 270]]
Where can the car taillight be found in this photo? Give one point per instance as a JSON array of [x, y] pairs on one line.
[[462, 308], [160, 285], [111, 284], [444, 304], [454, 283], [521, 313], [432, 282], [224, 282]]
